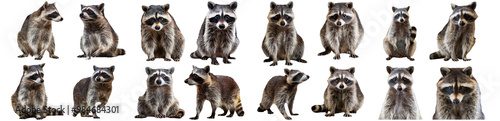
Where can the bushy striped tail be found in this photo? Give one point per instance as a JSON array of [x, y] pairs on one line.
[[120, 51], [239, 108], [413, 32], [54, 111], [180, 113], [436, 55], [318, 108]]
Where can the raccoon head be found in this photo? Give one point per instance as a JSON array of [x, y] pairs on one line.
[[457, 83], [221, 16], [463, 15], [401, 14], [49, 12], [400, 78], [281, 15], [340, 13], [295, 76], [198, 76], [103, 74], [156, 16], [92, 12], [341, 79], [33, 73], [159, 77]]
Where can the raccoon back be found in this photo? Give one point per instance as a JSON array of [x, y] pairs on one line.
[[80, 90], [227, 86]]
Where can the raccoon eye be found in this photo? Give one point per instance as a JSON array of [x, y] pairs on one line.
[[229, 19], [33, 77], [405, 80], [53, 15], [150, 21], [464, 90], [165, 78], [392, 81], [41, 75], [447, 90], [288, 18], [162, 20], [90, 12], [405, 16], [153, 77], [276, 18], [104, 75], [456, 18], [214, 19], [334, 17], [468, 17]]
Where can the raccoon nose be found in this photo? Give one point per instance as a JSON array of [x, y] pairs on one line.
[[186, 81], [157, 27], [456, 101], [41, 80], [399, 88], [61, 19], [158, 82], [282, 23], [401, 20], [461, 23], [341, 86], [307, 77], [98, 79], [338, 23], [222, 26]]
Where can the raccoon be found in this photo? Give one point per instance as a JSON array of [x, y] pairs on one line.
[[400, 39], [159, 101], [90, 90], [30, 99], [458, 95], [342, 94], [457, 37], [161, 38], [282, 41], [36, 36], [400, 102], [99, 39], [280, 90], [221, 91], [342, 31], [218, 36]]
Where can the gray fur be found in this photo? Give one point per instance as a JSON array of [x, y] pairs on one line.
[[88, 91], [400, 39], [400, 102], [341, 34]]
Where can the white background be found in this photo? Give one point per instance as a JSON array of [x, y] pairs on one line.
[[429, 16]]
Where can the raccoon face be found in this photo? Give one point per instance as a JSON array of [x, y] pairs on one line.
[[198, 75], [49, 12], [33, 73], [103, 74], [340, 13], [221, 16], [159, 77], [92, 12], [281, 15], [156, 16], [341, 79], [456, 83], [401, 14], [400, 78], [295, 76], [463, 15]]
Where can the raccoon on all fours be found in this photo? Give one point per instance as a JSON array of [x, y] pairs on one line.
[[342, 31], [159, 100], [400, 102], [30, 99], [342, 94], [281, 41], [457, 37], [221, 91], [88, 91], [280, 90], [161, 38], [400, 39], [217, 37], [36, 36], [99, 39], [458, 95]]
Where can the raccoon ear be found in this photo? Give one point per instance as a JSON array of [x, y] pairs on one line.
[[410, 69], [330, 5], [408, 8], [81, 6], [101, 7], [351, 70], [211, 5], [145, 8], [172, 70], [287, 71], [166, 7], [349, 4], [333, 69], [148, 70], [207, 69], [444, 71], [473, 5], [112, 68], [95, 68], [389, 69], [290, 4], [26, 67], [394, 9], [453, 6], [468, 70], [233, 5], [273, 5], [194, 67], [41, 65], [45, 5]]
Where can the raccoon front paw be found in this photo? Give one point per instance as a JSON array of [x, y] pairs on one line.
[[226, 61], [288, 63], [446, 58], [22, 56], [194, 118], [347, 115], [38, 58], [54, 56], [74, 114], [288, 117], [330, 114], [160, 116], [388, 58], [301, 60], [269, 111], [97, 117], [204, 58], [466, 59], [353, 55], [211, 117], [454, 59], [336, 57], [274, 64], [150, 59], [166, 59], [215, 62], [177, 59], [140, 116], [81, 56], [39, 117]]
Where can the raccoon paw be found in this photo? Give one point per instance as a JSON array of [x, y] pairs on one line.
[[215, 62], [97, 117], [288, 117], [353, 55], [411, 59], [177, 59], [466, 59], [194, 118], [226, 61], [446, 58], [204, 58], [301, 60], [330, 114], [388, 58], [22, 56], [269, 111], [140, 116], [39, 118], [347, 115], [160, 116], [454, 59], [229, 57], [274, 64], [166, 59], [288, 63], [336, 57], [150, 59], [54, 56], [38, 58], [81, 56], [211, 117]]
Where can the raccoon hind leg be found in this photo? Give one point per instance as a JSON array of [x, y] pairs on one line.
[[51, 49]]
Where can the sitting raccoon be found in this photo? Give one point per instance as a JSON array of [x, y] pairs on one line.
[[400, 39], [400, 102], [88, 91]]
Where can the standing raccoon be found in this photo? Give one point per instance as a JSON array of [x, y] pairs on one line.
[[221, 91], [280, 90], [90, 90], [36, 36], [159, 100], [458, 95], [457, 38], [161, 38], [217, 37], [400, 39], [99, 39], [282, 41], [30, 94], [342, 31], [400, 102], [342, 94]]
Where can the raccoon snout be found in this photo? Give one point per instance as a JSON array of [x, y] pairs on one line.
[[456, 101], [339, 23], [222, 26], [157, 27], [282, 23], [461, 23], [186, 81], [307, 77], [341, 86], [401, 20], [41, 80], [98, 79], [399, 88], [158, 82]]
